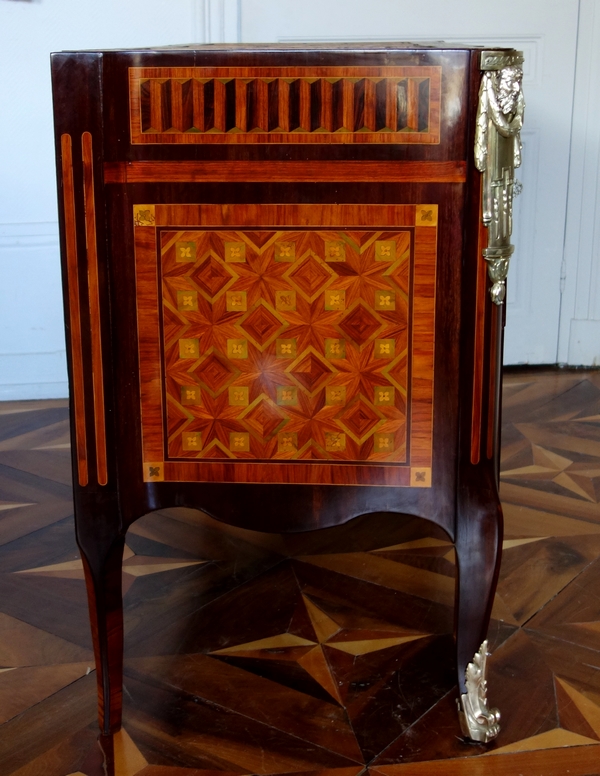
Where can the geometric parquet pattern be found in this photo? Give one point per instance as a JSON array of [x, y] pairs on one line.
[[286, 344], [322, 653]]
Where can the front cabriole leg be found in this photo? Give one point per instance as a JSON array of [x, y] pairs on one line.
[[478, 548]]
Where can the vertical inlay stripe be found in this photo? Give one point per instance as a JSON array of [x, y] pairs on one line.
[[94, 296], [74, 310], [478, 357]]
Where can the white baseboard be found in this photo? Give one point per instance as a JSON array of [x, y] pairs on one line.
[[33, 364], [584, 343], [34, 391], [33, 376]]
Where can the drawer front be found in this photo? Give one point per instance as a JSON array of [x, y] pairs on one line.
[[286, 343]]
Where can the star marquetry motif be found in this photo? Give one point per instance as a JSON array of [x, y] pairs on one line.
[[361, 374], [311, 323], [363, 276], [260, 276], [210, 323]]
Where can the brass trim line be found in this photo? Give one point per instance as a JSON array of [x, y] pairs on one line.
[[74, 309], [94, 302]]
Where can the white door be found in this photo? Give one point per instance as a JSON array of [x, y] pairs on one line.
[[546, 30]]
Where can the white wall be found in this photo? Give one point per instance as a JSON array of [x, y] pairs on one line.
[[546, 31], [32, 357], [32, 348], [579, 341]]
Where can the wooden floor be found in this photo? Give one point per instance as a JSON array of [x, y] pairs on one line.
[[313, 654]]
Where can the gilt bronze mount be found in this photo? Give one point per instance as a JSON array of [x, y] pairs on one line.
[[477, 721], [497, 154]]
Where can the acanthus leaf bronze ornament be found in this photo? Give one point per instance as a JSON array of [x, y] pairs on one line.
[[477, 721], [497, 154]]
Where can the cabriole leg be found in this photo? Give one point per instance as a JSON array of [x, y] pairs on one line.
[[478, 546]]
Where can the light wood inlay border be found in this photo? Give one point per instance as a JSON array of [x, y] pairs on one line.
[[283, 215], [151, 409], [285, 171], [74, 308], [417, 472], [94, 301], [423, 345]]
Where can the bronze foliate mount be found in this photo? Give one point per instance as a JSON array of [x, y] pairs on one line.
[[477, 721], [497, 154]]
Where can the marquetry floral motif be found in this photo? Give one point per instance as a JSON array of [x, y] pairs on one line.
[[144, 215], [282, 345]]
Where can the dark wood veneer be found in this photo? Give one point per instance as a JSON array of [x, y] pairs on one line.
[[284, 171], [70, 236], [203, 185]]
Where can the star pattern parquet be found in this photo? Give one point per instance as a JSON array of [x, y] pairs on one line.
[[319, 653], [286, 344]]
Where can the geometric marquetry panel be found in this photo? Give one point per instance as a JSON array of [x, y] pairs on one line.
[[287, 354], [293, 344], [285, 105]]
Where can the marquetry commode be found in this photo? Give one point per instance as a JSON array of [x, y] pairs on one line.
[[284, 272]]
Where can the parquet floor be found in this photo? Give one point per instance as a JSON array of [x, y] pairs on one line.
[[312, 654]]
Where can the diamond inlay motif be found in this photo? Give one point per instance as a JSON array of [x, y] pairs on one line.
[[263, 418], [360, 324], [360, 419], [212, 277], [215, 373], [310, 277], [261, 325], [310, 371]]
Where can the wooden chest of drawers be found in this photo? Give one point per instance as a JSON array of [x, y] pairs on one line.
[[276, 296]]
